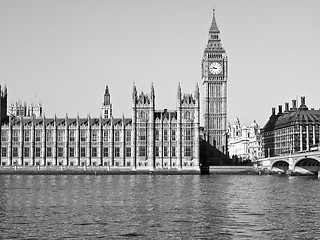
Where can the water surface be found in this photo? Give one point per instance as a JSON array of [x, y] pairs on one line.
[[159, 206]]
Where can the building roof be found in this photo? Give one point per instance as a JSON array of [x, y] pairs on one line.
[[214, 27], [214, 41], [291, 117], [68, 121]]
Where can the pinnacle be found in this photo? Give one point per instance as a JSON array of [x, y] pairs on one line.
[[214, 27]]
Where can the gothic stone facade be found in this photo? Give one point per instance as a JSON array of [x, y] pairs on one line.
[[150, 139]]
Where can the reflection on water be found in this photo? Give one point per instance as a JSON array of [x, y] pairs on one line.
[[156, 207]]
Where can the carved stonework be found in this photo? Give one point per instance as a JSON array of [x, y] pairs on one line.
[[143, 116]]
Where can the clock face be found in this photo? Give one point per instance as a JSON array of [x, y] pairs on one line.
[[215, 68]]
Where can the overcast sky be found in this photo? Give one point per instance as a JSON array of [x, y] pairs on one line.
[[63, 53]]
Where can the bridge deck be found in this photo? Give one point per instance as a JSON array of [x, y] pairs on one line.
[[293, 155]]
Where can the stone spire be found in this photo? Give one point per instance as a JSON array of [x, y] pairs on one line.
[[107, 106], [152, 94], [179, 95], [152, 88], [196, 92], [214, 27], [5, 90], [214, 40], [134, 92], [106, 97]]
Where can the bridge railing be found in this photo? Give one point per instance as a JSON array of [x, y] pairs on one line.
[[293, 155]]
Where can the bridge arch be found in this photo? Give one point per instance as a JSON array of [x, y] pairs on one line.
[[280, 166], [307, 165]]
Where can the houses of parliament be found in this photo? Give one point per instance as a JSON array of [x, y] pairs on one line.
[[150, 139]]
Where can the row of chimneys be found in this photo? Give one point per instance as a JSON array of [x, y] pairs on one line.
[[294, 106]]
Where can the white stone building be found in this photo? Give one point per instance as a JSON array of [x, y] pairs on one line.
[[244, 142]]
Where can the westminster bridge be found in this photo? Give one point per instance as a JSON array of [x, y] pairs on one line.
[[301, 163]]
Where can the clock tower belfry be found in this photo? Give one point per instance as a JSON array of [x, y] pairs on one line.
[[214, 77]]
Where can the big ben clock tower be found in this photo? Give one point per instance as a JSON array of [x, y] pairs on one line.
[[214, 76]]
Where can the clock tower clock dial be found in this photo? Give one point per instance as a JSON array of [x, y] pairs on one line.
[[215, 68], [214, 76]]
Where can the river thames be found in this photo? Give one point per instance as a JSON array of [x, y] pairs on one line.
[[159, 207]]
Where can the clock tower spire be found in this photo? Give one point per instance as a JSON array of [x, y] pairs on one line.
[[214, 78], [214, 27]]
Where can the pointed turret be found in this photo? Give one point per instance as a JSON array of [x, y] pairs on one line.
[[214, 27], [179, 90], [196, 92], [152, 94], [88, 118], [134, 92], [152, 88], [214, 41], [106, 96], [179, 95], [107, 106]]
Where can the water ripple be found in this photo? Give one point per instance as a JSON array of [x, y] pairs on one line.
[[157, 207]]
